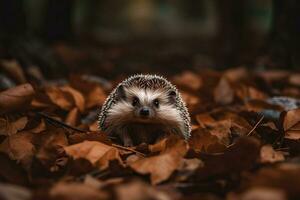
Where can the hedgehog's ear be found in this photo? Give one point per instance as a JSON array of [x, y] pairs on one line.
[[121, 92], [172, 96]]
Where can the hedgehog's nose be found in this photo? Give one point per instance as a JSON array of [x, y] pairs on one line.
[[144, 112]]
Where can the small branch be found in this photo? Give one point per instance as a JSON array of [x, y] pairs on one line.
[[251, 131], [128, 149], [55, 121], [255, 126]]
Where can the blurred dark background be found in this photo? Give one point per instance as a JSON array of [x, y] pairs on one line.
[[110, 37]]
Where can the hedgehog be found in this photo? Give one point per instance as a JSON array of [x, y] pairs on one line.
[[144, 109]]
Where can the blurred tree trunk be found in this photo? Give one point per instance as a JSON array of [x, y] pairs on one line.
[[12, 17], [12, 23], [58, 20], [230, 33], [283, 46]]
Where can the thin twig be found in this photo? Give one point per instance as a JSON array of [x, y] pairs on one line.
[[251, 131], [283, 149], [128, 149], [255, 126], [55, 121]]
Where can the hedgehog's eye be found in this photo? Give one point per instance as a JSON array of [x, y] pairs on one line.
[[156, 102], [135, 101]]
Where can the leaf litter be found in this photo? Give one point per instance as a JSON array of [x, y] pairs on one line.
[[244, 143]]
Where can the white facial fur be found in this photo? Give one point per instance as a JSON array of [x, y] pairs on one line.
[[124, 112]]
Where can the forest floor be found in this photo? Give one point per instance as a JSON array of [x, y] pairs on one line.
[[244, 143]]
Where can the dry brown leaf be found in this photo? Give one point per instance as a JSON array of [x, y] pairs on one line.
[[223, 93], [269, 155], [260, 193], [73, 117], [294, 79], [58, 97], [93, 151], [189, 80], [49, 144], [137, 190], [76, 191], [158, 146], [14, 69], [95, 97], [12, 127], [291, 119], [14, 192], [284, 176], [203, 141], [189, 99], [239, 125], [274, 75], [245, 93], [240, 156], [161, 167], [39, 128], [187, 168], [204, 119], [77, 97], [17, 98], [236, 74], [221, 129], [94, 126], [19, 147], [110, 155], [291, 124]]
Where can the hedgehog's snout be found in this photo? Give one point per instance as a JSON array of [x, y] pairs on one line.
[[145, 112]]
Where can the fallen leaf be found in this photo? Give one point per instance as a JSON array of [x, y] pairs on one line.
[[12, 127], [187, 168], [94, 126], [39, 128], [95, 97], [273, 75], [158, 146], [240, 156], [223, 93], [14, 69], [93, 151], [161, 167], [294, 79], [16, 99], [204, 119], [12, 172], [283, 176], [73, 117], [260, 193], [269, 155], [60, 98], [221, 129], [291, 124], [203, 141], [110, 155], [189, 80], [291, 119], [189, 99], [19, 147], [76, 191], [137, 190], [49, 144], [14, 192], [236, 74], [77, 97]]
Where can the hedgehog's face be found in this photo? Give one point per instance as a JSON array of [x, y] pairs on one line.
[[145, 105]]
